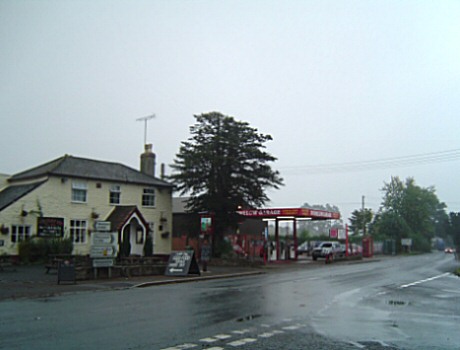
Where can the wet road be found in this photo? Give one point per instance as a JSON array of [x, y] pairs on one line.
[[398, 303]]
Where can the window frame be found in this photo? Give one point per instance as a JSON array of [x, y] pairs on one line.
[[20, 236], [149, 198], [115, 193], [78, 232], [79, 192]]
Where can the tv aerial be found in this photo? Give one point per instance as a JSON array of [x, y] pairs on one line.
[[145, 120]]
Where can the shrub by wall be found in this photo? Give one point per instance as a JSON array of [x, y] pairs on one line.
[[38, 249]]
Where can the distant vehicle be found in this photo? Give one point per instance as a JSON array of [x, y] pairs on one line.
[[239, 251], [304, 248], [449, 250], [330, 250]]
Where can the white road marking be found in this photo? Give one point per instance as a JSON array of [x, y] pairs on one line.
[[242, 342], [208, 340], [358, 345], [266, 335], [222, 336], [181, 347], [383, 343], [423, 281], [292, 328], [236, 343]]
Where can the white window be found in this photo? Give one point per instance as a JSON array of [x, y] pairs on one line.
[[148, 197], [115, 194], [78, 230], [79, 192], [19, 233]]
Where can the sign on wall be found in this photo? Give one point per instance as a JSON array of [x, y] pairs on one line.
[[206, 225], [50, 227]]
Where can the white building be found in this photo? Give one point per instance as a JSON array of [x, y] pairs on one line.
[[67, 196]]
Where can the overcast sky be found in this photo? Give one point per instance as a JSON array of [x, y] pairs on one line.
[[334, 82]]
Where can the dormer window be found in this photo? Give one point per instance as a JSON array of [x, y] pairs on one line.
[[79, 192], [115, 194]]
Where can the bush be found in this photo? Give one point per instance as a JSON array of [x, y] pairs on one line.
[[37, 249], [148, 246], [125, 248], [224, 249]]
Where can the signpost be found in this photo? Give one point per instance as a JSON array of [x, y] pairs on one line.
[[182, 263], [104, 247], [103, 226], [406, 243]]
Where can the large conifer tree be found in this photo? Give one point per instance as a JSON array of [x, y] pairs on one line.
[[223, 166]]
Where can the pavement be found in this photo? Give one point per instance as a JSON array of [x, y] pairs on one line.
[[31, 281]]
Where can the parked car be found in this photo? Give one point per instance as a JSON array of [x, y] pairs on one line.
[[304, 248], [328, 250]]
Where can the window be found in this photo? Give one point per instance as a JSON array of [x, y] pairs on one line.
[[115, 194], [19, 233], [78, 230], [148, 197], [79, 191]]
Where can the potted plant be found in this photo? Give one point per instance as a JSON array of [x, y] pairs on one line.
[[4, 229]]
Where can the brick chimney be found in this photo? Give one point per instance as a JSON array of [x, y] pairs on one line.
[[148, 161]]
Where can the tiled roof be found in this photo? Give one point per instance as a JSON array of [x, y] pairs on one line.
[[11, 194], [89, 169], [121, 214]]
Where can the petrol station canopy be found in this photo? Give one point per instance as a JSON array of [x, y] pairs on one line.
[[290, 213]]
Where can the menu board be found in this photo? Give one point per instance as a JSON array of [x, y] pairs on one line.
[[50, 227], [182, 263]]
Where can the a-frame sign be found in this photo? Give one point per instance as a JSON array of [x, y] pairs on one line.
[[182, 263]]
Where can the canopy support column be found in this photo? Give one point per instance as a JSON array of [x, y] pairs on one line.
[[277, 239], [294, 230]]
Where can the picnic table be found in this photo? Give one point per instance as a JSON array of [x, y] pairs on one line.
[[55, 259]]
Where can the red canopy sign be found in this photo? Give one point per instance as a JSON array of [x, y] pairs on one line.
[[314, 214]]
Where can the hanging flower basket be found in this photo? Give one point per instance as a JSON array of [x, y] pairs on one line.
[[4, 230]]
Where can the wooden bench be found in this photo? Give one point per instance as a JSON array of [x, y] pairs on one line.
[[55, 259]]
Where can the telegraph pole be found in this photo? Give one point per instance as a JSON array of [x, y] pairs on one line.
[[363, 215], [145, 119]]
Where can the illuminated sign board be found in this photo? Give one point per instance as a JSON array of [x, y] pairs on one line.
[[50, 227], [287, 212]]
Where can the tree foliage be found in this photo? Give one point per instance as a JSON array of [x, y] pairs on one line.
[[360, 219], [409, 211], [224, 166]]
